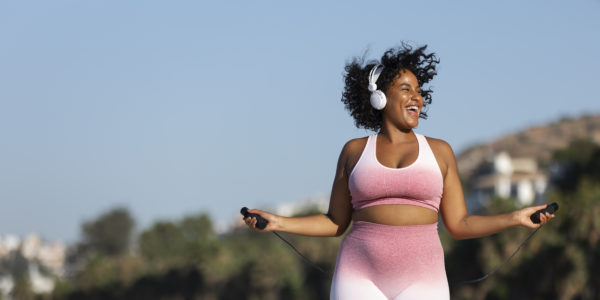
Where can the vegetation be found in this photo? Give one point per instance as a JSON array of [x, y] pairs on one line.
[[110, 234]]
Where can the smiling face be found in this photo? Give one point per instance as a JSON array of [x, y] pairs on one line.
[[404, 101]]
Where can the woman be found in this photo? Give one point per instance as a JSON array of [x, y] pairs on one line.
[[392, 185]]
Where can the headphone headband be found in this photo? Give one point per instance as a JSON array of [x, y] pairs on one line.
[[373, 76]]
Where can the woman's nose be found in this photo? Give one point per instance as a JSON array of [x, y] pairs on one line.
[[416, 96]]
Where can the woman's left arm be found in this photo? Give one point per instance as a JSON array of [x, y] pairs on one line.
[[454, 211]]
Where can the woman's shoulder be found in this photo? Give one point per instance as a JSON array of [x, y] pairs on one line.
[[443, 153], [355, 146], [353, 149], [441, 147], [351, 153], [435, 142]]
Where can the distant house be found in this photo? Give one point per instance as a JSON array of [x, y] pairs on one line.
[[37, 253], [504, 176]]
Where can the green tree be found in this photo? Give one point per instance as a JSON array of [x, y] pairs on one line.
[[110, 233], [18, 267], [163, 241], [190, 241], [580, 159], [22, 288]]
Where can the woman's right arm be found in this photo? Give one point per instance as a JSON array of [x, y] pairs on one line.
[[334, 223]]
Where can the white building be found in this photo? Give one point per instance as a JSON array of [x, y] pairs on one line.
[[30, 246], [319, 202], [9, 243], [52, 255], [38, 253], [6, 285], [505, 177]]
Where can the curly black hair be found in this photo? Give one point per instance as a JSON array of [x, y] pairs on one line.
[[356, 95]]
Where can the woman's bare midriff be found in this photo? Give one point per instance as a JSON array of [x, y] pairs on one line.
[[396, 214]]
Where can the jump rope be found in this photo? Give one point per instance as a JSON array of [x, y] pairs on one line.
[[261, 223], [378, 101]]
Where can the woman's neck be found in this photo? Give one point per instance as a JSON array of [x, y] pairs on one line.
[[396, 135]]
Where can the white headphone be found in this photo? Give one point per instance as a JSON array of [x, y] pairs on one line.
[[378, 99]]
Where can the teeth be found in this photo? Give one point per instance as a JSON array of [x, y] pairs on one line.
[[413, 107]]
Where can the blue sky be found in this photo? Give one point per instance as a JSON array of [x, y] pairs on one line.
[[181, 107]]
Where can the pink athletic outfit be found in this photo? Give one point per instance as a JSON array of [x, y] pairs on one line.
[[377, 261]]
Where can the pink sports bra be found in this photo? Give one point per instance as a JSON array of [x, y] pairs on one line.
[[420, 184]]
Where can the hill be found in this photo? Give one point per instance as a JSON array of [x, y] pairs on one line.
[[538, 142]]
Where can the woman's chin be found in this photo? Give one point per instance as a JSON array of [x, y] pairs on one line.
[[409, 125], [411, 119], [412, 122]]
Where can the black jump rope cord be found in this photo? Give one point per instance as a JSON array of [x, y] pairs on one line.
[[305, 258], [500, 266], [262, 223]]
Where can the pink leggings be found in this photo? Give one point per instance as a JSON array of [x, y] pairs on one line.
[[378, 261]]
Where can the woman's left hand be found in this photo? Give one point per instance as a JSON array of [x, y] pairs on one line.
[[522, 216]]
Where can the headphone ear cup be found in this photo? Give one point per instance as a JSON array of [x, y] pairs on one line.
[[378, 100]]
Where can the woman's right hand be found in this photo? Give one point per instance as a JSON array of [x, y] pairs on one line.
[[274, 221]]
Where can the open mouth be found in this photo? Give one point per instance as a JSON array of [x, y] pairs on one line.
[[413, 109]]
